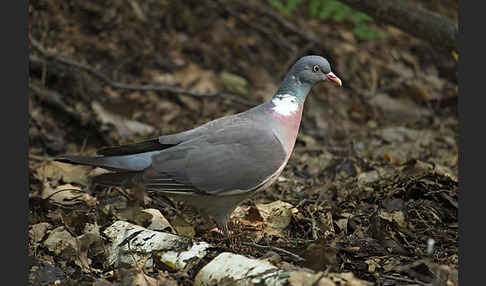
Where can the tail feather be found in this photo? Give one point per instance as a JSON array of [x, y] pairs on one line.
[[122, 178], [94, 161], [80, 160], [132, 162]]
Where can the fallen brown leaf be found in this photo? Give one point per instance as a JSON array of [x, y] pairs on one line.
[[158, 221], [277, 216], [57, 171], [125, 127], [67, 195]]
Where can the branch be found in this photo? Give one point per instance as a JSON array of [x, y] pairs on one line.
[[54, 99], [281, 20], [120, 85], [293, 255], [412, 19], [401, 279], [276, 39]]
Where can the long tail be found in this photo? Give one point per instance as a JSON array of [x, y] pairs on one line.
[[133, 162], [95, 161], [122, 178]]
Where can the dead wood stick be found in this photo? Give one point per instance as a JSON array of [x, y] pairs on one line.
[[54, 99], [412, 19], [274, 38], [279, 19], [142, 87], [404, 279], [295, 256]]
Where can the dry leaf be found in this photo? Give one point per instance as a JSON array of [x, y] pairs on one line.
[[67, 195], [158, 221], [390, 264], [125, 127], [196, 79], [342, 223], [101, 282], [368, 177], [62, 243], [38, 231], [182, 227], [320, 255], [301, 278], [326, 223], [134, 277], [56, 171], [277, 216], [190, 102], [373, 264], [165, 279], [248, 216], [234, 83], [345, 279], [163, 78], [396, 216]]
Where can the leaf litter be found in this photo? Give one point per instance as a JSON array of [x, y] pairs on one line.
[[372, 180]]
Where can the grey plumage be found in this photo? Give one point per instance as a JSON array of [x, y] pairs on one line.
[[224, 160]]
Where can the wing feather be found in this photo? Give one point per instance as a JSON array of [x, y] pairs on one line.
[[224, 161]]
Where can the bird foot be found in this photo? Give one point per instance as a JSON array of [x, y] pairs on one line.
[[221, 232]]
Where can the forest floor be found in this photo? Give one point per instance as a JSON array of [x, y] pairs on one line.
[[372, 182]]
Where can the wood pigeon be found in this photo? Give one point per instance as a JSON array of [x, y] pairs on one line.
[[219, 164]]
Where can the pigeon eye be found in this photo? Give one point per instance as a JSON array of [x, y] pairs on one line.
[[315, 68]]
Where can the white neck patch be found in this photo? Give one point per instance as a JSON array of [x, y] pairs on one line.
[[285, 104]]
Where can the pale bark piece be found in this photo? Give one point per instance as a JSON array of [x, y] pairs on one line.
[[232, 269], [132, 243]]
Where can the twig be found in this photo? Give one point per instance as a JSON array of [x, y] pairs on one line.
[[56, 192], [295, 256], [313, 227], [54, 99], [279, 19], [323, 274], [404, 279], [326, 272], [142, 87], [276, 40], [40, 158]]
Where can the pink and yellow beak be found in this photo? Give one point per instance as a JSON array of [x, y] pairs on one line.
[[334, 78]]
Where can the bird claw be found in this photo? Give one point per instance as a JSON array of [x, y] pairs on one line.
[[221, 232]]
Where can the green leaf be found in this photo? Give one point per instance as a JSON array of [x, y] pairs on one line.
[[366, 33], [335, 11], [342, 12], [314, 6], [360, 18]]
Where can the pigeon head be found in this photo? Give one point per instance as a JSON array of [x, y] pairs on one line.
[[313, 69], [304, 74]]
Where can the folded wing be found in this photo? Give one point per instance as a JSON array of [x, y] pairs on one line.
[[227, 161]]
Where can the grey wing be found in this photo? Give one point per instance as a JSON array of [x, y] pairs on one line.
[[168, 141], [226, 161]]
